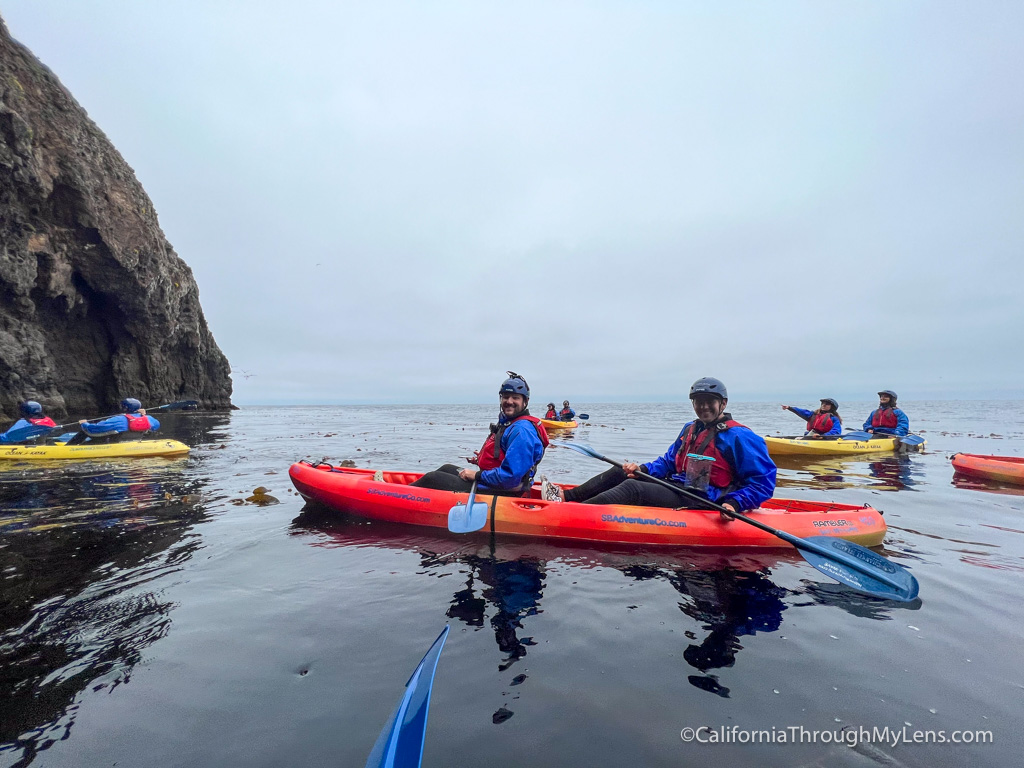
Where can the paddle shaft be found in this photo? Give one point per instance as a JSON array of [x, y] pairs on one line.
[[796, 541]]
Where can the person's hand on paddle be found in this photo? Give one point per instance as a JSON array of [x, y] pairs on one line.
[[731, 508], [631, 469], [469, 474]]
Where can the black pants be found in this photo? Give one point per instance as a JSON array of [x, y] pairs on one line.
[[446, 478], [614, 487], [81, 437]]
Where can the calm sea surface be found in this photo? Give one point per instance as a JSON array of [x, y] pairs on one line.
[[151, 616]]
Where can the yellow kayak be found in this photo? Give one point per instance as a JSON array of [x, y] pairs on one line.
[[122, 450], [549, 424], [802, 446]]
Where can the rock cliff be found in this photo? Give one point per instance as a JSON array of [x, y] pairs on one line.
[[94, 303]]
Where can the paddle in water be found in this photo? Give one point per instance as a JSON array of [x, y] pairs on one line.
[[28, 432], [842, 560], [468, 517], [400, 744]]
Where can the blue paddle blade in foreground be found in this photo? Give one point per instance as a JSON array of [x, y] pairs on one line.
[[400, 744], [860, 568], [463, 518]]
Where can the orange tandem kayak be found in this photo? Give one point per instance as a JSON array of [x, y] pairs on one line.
[[1002, 469], [393, 499]]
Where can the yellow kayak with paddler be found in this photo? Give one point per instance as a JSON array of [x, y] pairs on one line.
[[550, 424], [841, 446], [126, 449]]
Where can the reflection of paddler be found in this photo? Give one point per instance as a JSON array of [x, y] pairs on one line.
[[729, 603], [514, 587]]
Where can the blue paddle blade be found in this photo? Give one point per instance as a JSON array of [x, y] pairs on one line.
[[856, 436], [466, 519], [912, 440], [583, 416], [859, 567], [400, 744]]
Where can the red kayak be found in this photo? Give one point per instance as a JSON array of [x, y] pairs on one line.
[[1002, 469], [392, 499]]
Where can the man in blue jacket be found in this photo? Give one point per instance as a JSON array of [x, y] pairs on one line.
[[510, 454], [33, 423], [133, 418], [887, 419], [741, 475]]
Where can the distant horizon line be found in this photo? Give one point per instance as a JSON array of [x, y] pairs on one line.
[[578, 405]]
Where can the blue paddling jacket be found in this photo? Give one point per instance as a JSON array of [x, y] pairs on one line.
[[805, 414], [523, 449], [117, 424], [753, 480], [39, 429], [902, 422]]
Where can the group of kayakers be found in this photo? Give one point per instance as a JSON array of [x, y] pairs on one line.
[[714, 456], [35, 423], [886, 419], [566, 414]]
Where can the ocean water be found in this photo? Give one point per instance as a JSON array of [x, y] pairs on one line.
[[151, 615]]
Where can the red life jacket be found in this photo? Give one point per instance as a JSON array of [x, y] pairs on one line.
[[137, 423], [884, 417], [492, 454], [565, 415], [703, 444], [42, 421], [551, 415], [821, 423]]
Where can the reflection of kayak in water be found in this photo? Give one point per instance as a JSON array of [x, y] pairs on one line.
[[113, 450], [549, 424], [1002, 469], [393, 499]]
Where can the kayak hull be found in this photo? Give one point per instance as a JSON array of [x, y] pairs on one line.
[[1001, 469], [354, 491], [799, 446], [549, 424], [117, 450]]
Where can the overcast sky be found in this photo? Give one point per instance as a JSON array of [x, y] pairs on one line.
[[390, 202]]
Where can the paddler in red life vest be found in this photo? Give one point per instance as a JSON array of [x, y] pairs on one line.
[[823, 422], [509, 457], [567, 413], [132, 419], [731, 467], [552, 414], [887, 419], [31, 416]]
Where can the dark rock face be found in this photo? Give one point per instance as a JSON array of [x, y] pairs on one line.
[[94, 303]]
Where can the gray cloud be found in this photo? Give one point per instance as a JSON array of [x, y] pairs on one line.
[[398, 202]]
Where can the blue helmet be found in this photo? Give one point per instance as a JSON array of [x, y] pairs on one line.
[[830, 401], [890, 393], [130, 405], [709, 386], [30, 408], [515, 385]]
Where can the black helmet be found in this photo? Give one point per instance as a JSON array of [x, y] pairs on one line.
[[30, 408], [130, 405], [830, 401], [709, 386], [890, 393], [565, 402], [551, 405], [515, 385]]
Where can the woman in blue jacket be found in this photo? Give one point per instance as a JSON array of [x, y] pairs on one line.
[[823, 422], [741, 475], [887, 419]]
